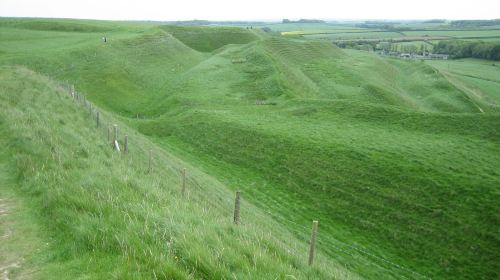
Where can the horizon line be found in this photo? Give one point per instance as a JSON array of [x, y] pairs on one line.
[[274, 20]]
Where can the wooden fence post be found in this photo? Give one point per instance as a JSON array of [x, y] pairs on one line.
[[90, 109], [115, 130], [183, 183], [150, 168], [109, 133], [97, 119], [237, 208], [125, 144], [312, 247]]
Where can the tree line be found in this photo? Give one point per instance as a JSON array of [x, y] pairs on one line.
[[476, 49], [474, 23]]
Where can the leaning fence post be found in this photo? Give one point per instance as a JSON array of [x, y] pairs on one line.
[[97, 119], [237, 208], [312, 247], [183, 190], [125, 145]]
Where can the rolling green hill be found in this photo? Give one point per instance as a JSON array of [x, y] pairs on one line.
[[397, 159], [105, 214]]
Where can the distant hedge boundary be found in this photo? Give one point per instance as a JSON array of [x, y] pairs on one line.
[[460, 49]]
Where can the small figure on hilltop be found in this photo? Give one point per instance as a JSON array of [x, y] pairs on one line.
[[104, 39]]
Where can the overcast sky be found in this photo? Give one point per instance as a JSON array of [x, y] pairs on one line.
[[251, 9]]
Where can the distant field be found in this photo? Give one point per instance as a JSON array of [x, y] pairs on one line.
[[355, 35], [417, 35], [455, 34], [345, 32], [484, 39], [326, 31], [421, 25], [311, 27]]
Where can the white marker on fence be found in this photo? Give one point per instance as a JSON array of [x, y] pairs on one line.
[[117, 146]]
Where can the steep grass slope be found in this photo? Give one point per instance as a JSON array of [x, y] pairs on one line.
[[385, 169], [418, 189], [479, 79], [107, 216]]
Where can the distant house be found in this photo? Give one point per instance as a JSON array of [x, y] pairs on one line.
[[405, 55]]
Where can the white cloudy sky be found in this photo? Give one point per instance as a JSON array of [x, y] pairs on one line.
[[252, 9]]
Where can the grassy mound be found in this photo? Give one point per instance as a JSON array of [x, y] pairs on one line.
[[208, 39]]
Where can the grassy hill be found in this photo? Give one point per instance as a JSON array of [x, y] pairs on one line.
[[103, 213], [397, 159]]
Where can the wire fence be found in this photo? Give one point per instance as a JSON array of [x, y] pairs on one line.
[[196, 193]]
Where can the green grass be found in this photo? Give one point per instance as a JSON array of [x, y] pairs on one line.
[[207, 39], [356, 176], [393, 157], [20, 232], [107, 216], [479, 77]]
